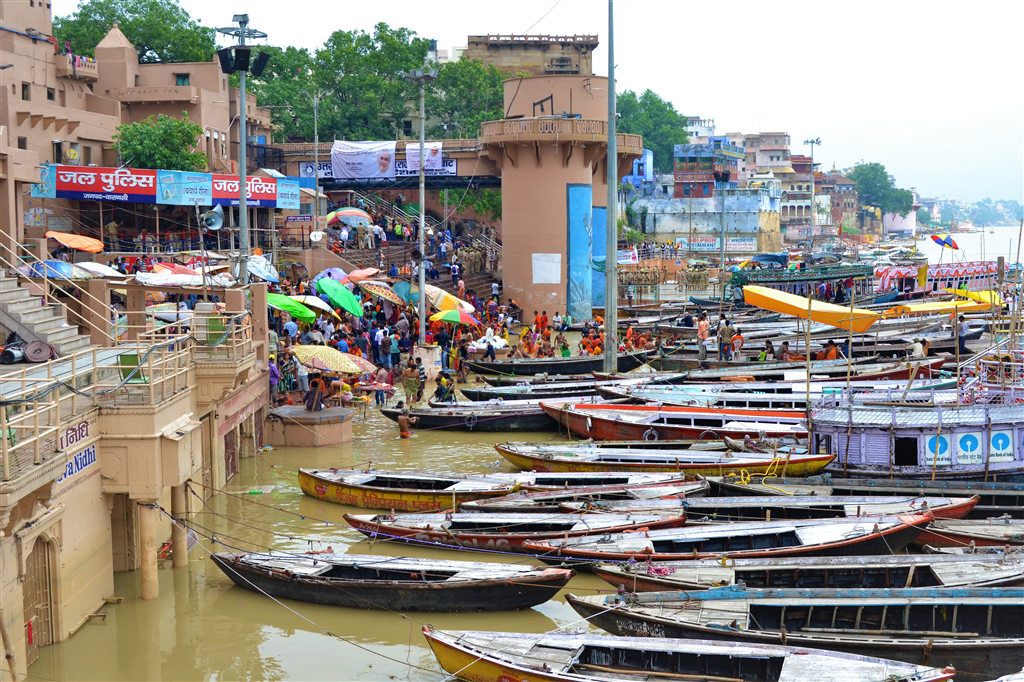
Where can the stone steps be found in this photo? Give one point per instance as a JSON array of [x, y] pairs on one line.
[[26, 314]]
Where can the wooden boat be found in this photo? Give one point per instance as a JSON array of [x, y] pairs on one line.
[[582, 657], [648, 422], [974, 532], [505, 532], [412, 491], [815, 537], [903, 570], [555, 390], [976, 630], [361, 581], [550, 501], [583, 364], [712, 368], [690, 462], [778, 508], [500, 380], [863, 372], [483, 416]]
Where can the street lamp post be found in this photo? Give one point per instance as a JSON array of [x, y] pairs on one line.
[[611, 271], [316, 156], [421, 77], [814, 209]]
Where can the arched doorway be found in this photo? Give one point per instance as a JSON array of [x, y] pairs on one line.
[[38, 600]]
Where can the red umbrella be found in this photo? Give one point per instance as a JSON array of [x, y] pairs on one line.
[[356, 275]]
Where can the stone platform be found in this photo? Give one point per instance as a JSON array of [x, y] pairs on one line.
[[295, 426]]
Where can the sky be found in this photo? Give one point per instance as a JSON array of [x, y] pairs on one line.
[[931, 89]]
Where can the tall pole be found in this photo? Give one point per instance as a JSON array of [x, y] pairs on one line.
[[423, 213], [611, 260], [721, 271], [315, 99], [243, 142]]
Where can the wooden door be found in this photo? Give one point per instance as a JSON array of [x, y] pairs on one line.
[[230, 454], [38, 607], [207, 471]]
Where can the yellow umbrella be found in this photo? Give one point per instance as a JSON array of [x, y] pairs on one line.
[[797, 306], [990, 297], [936, 307], [332, 359], [442, 300]]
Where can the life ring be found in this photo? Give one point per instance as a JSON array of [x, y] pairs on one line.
[[471, 421], [650, 434]]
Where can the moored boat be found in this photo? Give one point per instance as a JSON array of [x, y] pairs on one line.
[[550, 501], [506, 532], [362, 581], [976, 630], [583, 364], [999, 532], [582, 657]]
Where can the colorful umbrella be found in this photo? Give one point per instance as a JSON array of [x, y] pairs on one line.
[[76, 241], [340, 296], [350, 216], [53, 269], [946, 241], [293, 308], [454, 317], [331, 273], [406, 292], [356, 275], [381, 290], [314, 302], [325, 358], [442, 300]]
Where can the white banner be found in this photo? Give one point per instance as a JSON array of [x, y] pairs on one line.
[[432, 160], [351, 160], [448, 167]]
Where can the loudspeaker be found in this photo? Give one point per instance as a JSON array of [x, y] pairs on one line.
[[260, 63], [242, 58], [416, 255], [213, 219], [227, 62]]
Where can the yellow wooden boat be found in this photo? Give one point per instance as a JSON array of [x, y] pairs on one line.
[[405, 492]]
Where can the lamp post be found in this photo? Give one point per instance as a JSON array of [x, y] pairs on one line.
[[611, 261], [242, 32], [421, 77], [814, 209], [316, 155]]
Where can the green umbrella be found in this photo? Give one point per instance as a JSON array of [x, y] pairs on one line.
[[292, 307], [340, 295]]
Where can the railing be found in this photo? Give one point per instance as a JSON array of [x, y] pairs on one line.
[[76, 66]]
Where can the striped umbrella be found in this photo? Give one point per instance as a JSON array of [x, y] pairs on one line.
[[315, 303], [381, 290], [325, 358], [454, 317]]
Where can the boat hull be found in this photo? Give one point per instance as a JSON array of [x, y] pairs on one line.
[[507, 594], [487, 422], [399, 499], [574, 365]]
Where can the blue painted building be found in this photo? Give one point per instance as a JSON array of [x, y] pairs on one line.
[[700, 169]]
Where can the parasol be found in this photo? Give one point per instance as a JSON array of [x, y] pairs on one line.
[[340, 296], [294, 308], [76, 241], [442, 300], [349, 216], [946, 242], [331, 273], [356, 275], [175, 268], [325, 358], [314, 302], [53, 269], [381, 290], [454, 317]]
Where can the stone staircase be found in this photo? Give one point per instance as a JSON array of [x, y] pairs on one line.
[[25, 314]]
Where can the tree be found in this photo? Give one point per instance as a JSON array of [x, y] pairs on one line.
[[876, 189], [656, 119], [163, 142], [484, 201], [288, 73], [360, 73], [924, 216], [466, 93], [161, 30]]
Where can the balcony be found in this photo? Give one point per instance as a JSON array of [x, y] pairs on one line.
[[223, 353], [156, 94], [555, 130], [77, 67]]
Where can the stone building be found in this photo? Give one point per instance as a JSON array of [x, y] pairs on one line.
[[534, 55]]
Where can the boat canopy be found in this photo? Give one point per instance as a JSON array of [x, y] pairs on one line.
[[936, 307], [859, 319]]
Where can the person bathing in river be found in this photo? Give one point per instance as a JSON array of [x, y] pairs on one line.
[[404, 421]]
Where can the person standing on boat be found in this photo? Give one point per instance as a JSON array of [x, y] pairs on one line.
[[702, 337], [725, 335], [961, 331]]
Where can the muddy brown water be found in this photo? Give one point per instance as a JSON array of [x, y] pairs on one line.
[[203, 627]]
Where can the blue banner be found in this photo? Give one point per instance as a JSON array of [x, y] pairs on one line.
[[580, 241]]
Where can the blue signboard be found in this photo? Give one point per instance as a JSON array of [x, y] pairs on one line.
[[580, 241], [288, 194]]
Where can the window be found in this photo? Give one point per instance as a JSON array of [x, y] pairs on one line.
[[58, 151], [407, 128], [51, 94], [706, 193], [905, 452], [22, 143], [181, 79], [686, 190], [87, 155], [26, 92]]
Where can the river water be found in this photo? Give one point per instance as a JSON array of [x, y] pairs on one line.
[[204, 627], [980, 245]]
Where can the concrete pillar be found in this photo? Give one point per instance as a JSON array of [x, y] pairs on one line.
[[260, 323], [135, 303], [147, 549], [179, 541], [599, 222], [97, 312]]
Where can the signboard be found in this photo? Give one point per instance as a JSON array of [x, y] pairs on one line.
[[937, 451], [351, 160], [299, 219], [106, 184], [73, 435], [741, 244], [288, 194], [697, 243], [326, 169], [628, 256], [184, 188], [1000, 446], [432, 160], [259, 191], [447, 169], [968, 447]]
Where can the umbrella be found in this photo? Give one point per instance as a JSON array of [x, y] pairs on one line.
[[294, 308], [331, 273], [293, 266], [340, 296], [101, 270], [454, 317], [175, 268], [350, 216], [329, 359], [357, 275], [314, 302], [442, 300], [406, 291], [54, 269], [381, 290], [946, 242], [76, 241], [260, 268]]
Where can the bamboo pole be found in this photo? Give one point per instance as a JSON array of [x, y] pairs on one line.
[[807, 342]]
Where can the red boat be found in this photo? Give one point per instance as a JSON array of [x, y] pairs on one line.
[[647, 422], [503, 532], [993, 532]]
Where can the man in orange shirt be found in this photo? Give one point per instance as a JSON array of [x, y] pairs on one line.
[[536, 321], [543, 320]]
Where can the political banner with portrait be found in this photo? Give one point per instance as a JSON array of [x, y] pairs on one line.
[[358, 160], [432, 156]]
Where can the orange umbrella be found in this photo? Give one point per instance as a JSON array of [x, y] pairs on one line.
[[76, 241], [356, 275]]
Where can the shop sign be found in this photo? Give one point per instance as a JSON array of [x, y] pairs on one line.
[[260, 192], [106, 184]]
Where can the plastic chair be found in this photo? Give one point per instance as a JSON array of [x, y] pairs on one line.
[[127, 363]]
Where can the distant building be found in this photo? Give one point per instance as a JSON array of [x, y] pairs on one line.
[[535, 55], [843, 197], [762, 152], [643, 170], [697, 127], [699, 168]]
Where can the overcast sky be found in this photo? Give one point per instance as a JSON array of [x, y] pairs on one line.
[[930, 89]]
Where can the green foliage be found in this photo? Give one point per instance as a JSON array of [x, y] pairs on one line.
[[629, 235], [161, 30], [288, 73], [946, 215], [485, 202], [876, 189], [924, 216], [163, 142], [654, 118], [466, 93]]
